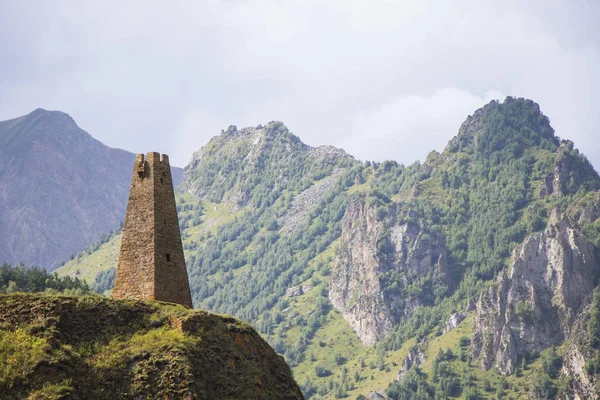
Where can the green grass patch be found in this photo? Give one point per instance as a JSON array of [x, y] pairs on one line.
[[86, 267], [20, 353]]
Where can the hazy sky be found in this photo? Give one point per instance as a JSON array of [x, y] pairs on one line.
[[382, 79]]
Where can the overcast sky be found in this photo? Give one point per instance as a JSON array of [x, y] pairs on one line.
[[381, 79]]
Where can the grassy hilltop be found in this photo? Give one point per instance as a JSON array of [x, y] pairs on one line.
[[90, 347]]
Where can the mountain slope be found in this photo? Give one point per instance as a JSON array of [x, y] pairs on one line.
[[396, 257], [259, 173], [60, 189]]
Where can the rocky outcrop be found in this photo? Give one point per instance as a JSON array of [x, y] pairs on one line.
[[415, 358], [469, 132], [585, 210], [377, 396], [354, 287], [299, 290], [532, 305], [453, 321], [377, 263], [569, 173], [294, 291], [584, 385]]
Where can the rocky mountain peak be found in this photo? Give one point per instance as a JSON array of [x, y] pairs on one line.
[[234, 163], [514, 125], [51, 169], [18, 135], [47, 122], [250, 138], [534, 302], [41, 112]]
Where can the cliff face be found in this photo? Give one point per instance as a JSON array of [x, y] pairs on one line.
[[533, 304], [354, 287], [586, 210], [569, 172], [374, 253], [580, 350], [60, 189], [95, 348], [578, 353]]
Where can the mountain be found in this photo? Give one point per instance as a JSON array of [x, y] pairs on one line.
[[60, 189], [470, 275], [58, 347]]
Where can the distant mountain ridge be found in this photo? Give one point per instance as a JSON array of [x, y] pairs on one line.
[[60, 189]]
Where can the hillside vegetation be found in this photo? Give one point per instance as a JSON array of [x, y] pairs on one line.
[[354, 270], [33, 280]]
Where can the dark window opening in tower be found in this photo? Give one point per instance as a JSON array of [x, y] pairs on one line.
[[168, 257]]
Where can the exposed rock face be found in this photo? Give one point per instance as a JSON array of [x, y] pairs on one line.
[[586, 210], [294, 291], [305, 201], [578, 352], [60, 189], [299, 290], [354, 286], [374, 256], [469, 131], [569, 173], [533, 304], [377, 396], [453, 321], [415, 358]]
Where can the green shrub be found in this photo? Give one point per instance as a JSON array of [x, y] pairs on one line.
[[322, 372]]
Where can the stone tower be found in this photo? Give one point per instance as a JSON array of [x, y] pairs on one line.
[[151, 263]]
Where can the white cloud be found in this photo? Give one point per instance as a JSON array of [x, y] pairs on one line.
[[141, 74], [197, 127], [408, 127]]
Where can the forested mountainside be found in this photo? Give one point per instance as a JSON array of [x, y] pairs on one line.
[[470, 275], [60, 189]]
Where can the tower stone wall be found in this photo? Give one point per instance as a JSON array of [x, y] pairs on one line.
[[151, 261]]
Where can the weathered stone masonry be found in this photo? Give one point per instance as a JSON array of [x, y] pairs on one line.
[[151, 262]]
